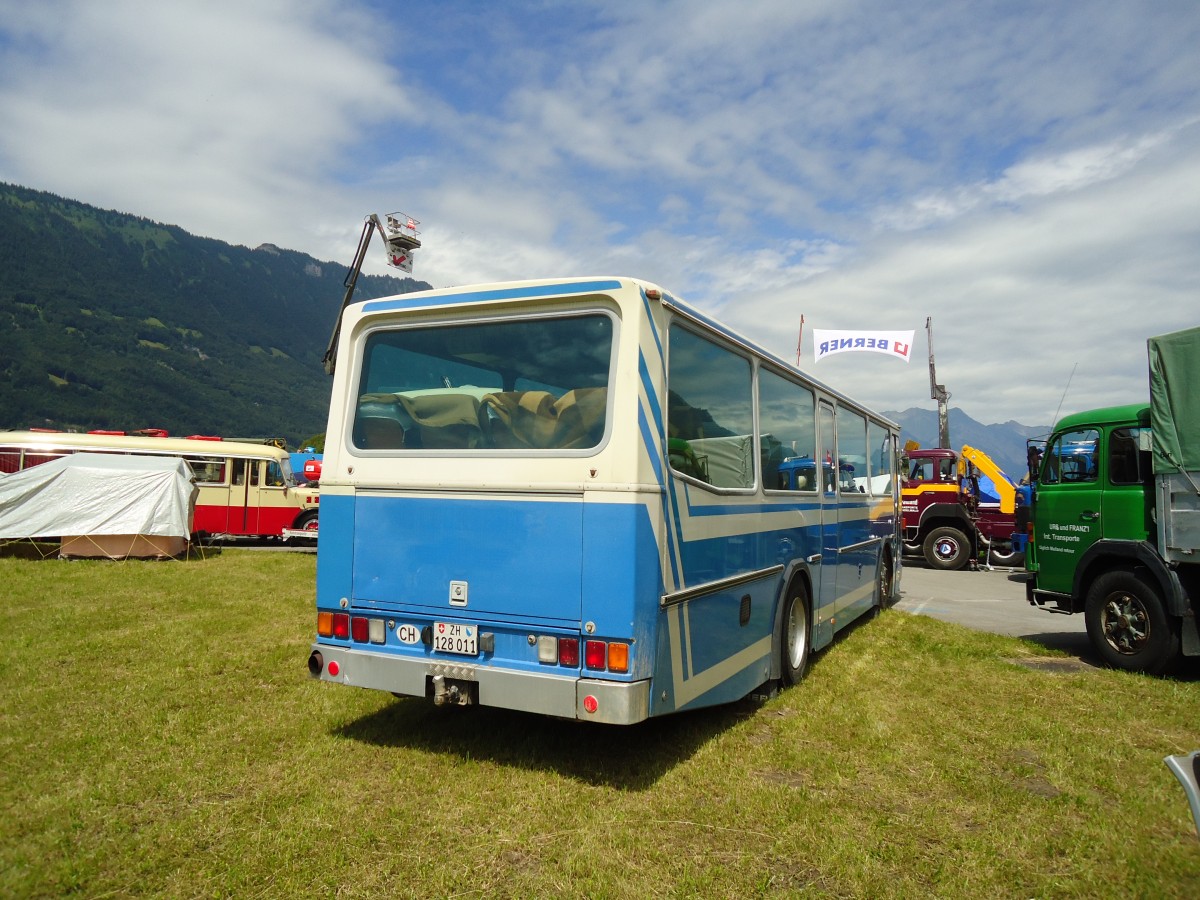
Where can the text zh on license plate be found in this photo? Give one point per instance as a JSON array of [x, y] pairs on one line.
[[454, 637]]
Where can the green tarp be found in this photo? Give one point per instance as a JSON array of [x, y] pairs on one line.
[[1175, 400]]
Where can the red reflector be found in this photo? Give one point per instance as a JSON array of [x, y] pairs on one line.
[[358, 629], [333, 668], [590, 703], [594, 654], [568, 651], [341, 625]]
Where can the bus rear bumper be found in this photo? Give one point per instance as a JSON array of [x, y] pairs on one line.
[[565, 696]]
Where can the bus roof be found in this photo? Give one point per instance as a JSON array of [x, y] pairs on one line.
[[50, 440]]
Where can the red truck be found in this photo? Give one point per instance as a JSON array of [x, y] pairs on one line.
[[956, 506]]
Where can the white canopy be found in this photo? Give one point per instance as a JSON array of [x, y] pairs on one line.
[[99, 494]]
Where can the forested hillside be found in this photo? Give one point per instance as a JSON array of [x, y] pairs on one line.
[[108, 320]]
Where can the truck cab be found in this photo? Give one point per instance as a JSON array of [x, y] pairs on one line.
[[1095, 546], [947, 518]]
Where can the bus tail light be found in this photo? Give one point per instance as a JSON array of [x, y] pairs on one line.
[[613, 656], [558, 651], [618, 657], [594, 655], [364, 629], [325, 624], [341, 626], [568, 652]]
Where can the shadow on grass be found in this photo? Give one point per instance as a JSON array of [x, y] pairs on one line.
[[629, 757], [625, 757]]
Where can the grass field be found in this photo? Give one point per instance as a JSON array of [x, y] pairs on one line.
[[160, 735]]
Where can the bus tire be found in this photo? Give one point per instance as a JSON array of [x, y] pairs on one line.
[[796, 634], [1128, 625], [306, 521], [946, 548], [885, 583]]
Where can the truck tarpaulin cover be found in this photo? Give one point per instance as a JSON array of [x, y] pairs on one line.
[[98, 494], [1175, 401]]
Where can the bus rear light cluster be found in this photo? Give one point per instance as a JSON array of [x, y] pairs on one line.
[[335, 625], [598, 656], [558, 651], [360, 629], [612, 656]]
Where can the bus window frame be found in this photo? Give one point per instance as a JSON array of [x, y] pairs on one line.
[[716, 340], [596, 304]]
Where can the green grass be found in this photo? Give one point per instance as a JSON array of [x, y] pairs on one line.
[[159, 735]]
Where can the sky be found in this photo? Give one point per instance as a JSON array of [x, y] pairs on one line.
[[1023, 175]]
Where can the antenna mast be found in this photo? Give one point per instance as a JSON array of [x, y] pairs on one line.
[[938, 392]]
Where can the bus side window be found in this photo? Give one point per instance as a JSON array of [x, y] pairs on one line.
[[787, 433], [274, 474], [239, 471], [710, 406]]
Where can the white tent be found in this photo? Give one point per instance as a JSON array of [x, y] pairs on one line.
[[102, 504]]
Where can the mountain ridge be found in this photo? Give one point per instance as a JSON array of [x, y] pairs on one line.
[[1004, 443], [115, 321]]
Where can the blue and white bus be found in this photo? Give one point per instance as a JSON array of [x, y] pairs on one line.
[[587, 499]]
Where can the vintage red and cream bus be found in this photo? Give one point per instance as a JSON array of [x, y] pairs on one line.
[[246, 489]]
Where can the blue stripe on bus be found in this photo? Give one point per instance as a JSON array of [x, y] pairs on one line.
[[572, 287], [650, 320]]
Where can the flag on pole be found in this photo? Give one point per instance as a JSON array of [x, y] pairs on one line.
[[826, 342]]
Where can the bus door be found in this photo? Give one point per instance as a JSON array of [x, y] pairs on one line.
[[858, 544], [243, 497], [824, 592]]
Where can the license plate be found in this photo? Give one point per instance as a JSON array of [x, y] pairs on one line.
[[453, 637]]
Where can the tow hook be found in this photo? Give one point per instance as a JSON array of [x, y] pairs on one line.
[[449, 693]]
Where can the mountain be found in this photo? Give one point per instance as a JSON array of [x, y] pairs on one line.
[[1005, 444], [117, 322]]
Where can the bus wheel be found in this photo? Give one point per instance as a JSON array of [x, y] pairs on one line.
[[946, 548], [795, 643], [1128, 624], [884, 583], [308, 521]]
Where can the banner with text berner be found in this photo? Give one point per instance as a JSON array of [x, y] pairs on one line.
[[894, 343]]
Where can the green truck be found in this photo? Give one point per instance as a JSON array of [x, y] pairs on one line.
[[1114, 519]]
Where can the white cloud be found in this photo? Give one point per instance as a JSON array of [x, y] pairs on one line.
[[1019, 296], [1024, 175]]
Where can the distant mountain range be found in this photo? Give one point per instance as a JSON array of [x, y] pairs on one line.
[[1005, 444], [112, 321]]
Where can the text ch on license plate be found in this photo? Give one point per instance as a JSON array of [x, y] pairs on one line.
[[454, 637]]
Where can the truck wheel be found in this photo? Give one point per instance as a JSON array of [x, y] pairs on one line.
[[946, 548], [1128, 624], [795, 641], [1001, 553]]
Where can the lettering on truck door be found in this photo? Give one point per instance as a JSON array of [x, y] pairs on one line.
[[1069, 500]]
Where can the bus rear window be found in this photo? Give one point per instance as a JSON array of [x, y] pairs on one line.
[[522, 384]]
